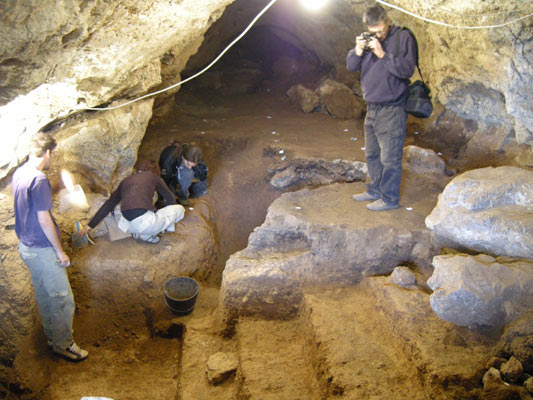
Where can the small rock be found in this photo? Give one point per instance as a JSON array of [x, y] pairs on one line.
[[403, 276], [495, 362], [220, 366], [512, 370], [492, 382], [149, 276], [528, 384]]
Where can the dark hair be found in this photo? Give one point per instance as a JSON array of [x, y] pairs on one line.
[[40, 143], [374, 15], [149, 166], [192, 153]]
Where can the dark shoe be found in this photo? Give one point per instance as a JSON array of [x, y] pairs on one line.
[[72, 352], [380, 205], [365, 196], [184, 202]]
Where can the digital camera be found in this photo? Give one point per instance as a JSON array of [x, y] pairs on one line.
[[368, 36]]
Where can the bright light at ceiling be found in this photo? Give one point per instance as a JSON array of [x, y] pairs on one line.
[[313, 5]]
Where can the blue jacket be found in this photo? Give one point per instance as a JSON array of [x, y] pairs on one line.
[[385, 81]]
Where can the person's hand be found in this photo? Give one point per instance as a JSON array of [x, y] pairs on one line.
[[377, 49], [64, 260], [84, 231], [360, 45]]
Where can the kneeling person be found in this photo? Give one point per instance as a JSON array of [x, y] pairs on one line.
[[184, 170], [139, 216]]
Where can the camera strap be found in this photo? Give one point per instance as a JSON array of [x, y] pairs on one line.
[[398, 38]]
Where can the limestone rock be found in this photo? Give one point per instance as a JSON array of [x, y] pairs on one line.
[[87, 54], [487, 210], [307, 99], [339, 100], [517, 339], [495, 362], [220, 366], [404, 277], [305, 240], [423, 161], [103, 149], [528, 384], [494, 388], [315, 172], [480, 290], [512, 370]]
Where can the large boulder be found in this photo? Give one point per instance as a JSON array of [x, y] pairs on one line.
[[316, 237], [339, 100], [314, 172], [423, 161], [481, 290], [487, 210], [306, 99], [103, 148]]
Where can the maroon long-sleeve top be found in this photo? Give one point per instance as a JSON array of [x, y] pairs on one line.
[[136, 192]]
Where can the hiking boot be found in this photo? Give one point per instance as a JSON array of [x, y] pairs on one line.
[[365, 196], [380, 205], [72, 352]]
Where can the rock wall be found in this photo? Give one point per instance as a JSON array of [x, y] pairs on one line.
[[86, 53]]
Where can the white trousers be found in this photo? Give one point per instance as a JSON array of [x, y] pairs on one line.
[[148, 225]]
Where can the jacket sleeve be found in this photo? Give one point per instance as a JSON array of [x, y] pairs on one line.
[[106, 208], [353, 61], [402, 65], [201, 171], [165, 192]]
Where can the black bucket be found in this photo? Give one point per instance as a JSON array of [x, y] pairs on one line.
[[180, 294]]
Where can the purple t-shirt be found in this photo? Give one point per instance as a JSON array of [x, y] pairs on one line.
[[33, 193]]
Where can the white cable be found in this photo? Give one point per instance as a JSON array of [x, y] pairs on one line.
[[250, 26], [264, 10], [450, 25], [480, 15]]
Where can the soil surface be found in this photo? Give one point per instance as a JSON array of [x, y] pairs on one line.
[[138, 348]]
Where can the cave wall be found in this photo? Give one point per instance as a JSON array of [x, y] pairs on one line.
[[57, 56]]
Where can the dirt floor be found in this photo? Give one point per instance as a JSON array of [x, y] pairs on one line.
[[131, 356]]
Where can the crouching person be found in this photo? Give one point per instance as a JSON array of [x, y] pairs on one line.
[[136, 197], [184, 171]]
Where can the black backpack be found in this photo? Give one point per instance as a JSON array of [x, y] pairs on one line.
[[418, 102]]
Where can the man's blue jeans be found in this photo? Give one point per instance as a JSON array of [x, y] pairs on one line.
[[52, 292], [188, 188], [385, 130]]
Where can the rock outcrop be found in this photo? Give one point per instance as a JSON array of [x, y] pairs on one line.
[[315, 172], [306, 240], [305, 98], [481, 290], [339, 100], [103, 149], [487, 210], [86, 54]]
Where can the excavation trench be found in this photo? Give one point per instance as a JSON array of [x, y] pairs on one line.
[[135, 342]]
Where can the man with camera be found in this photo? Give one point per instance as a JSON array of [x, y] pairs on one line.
[[386, 62]]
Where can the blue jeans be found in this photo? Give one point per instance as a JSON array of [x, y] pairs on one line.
[[188, 188], [52, 292], [385, 130]]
